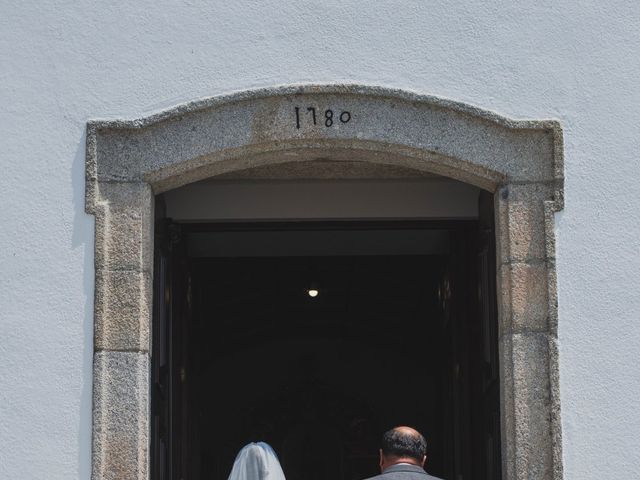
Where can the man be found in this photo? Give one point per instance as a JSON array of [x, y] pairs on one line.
[[403, 455]]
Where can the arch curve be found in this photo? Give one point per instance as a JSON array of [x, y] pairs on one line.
[[258, 127], [129, 161]]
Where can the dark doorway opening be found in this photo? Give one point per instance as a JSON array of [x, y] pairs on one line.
[[403, 331], [317, 377]]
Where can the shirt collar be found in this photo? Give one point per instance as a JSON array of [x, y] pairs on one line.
[[404, 467]]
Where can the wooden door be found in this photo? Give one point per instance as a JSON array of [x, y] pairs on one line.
[[488, 384], [474, 410], [169, 401]]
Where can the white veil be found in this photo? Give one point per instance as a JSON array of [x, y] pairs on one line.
[[257, 461]]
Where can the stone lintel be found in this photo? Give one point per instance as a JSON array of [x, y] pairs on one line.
[[321, 151], [384, 120]]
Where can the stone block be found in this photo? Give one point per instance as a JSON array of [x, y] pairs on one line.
[[124, 240], [381, 120], [527, 412], [120, 416], [125, 196], [124, 227], [524, 300], [522, 226], [122, 310], [526, 237]]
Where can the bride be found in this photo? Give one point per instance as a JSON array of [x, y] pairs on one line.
[[257, 461]]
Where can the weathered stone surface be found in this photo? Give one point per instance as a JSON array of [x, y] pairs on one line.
[[381, 120], [550, 209], [552, 293], [122, 310], [527, 415], [120, 416], [521, 217], [124, 227], [392, 130], [526, 238], [256, 159], [555, 408], [321, 169], [523, 300], [529, 192]]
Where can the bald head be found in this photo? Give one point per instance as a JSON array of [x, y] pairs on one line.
[[402, 445], [411, 432]]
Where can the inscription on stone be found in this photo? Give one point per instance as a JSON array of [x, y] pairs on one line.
[[316, 116]]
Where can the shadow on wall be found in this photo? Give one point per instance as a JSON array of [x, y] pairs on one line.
[[82, 237]]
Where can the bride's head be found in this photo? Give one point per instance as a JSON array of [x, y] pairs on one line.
[[256, 461]]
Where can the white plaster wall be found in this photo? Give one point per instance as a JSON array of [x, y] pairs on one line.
[[64, 62]]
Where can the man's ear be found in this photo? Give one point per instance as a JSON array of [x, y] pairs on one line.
[[381, 463], [424, 460]]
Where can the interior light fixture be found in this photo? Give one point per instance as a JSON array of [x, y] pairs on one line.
[[313, 291]]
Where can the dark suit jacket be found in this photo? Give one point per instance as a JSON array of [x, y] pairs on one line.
[[404, 472]]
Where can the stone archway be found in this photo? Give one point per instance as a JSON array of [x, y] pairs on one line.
[[521, 161]]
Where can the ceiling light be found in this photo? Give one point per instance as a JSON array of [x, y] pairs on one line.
[[313, 291]]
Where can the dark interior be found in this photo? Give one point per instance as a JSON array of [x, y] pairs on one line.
[[317, 378], [394, 336]]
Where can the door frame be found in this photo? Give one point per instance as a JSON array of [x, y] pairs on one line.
[[171, 304], [520, 162]]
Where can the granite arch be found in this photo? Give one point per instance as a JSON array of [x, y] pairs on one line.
[[129, 161]]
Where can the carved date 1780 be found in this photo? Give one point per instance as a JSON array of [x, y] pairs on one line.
[[328, 119]]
